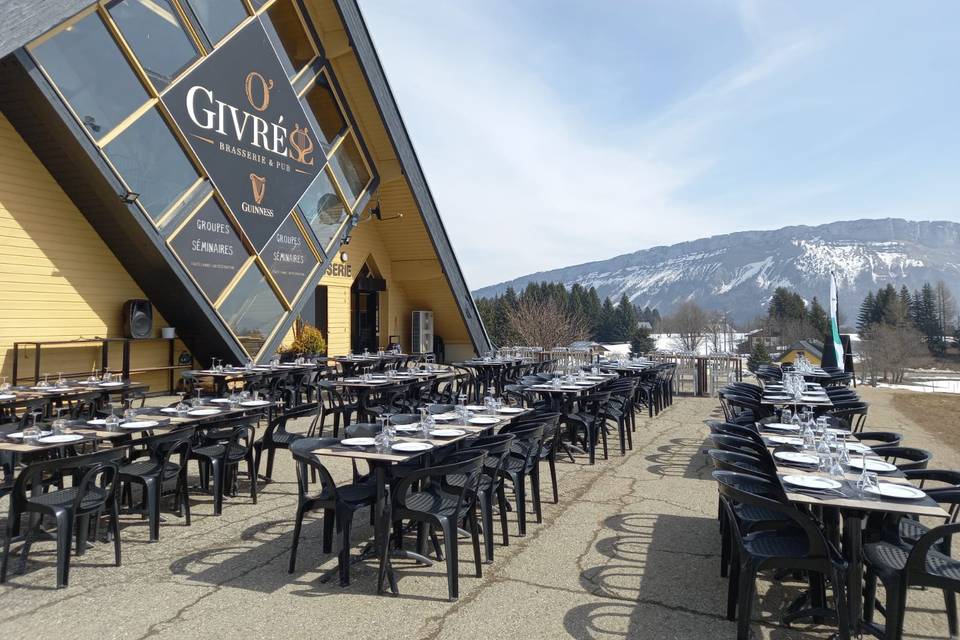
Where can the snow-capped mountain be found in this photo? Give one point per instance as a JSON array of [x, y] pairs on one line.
[[738, 272]]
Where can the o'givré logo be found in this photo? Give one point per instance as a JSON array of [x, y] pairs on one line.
[[246, 128]]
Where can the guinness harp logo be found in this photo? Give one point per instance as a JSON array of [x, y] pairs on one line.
[[258, 185], [258, 91], [301, 145]]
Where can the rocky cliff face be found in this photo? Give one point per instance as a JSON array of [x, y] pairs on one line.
[[738, 272]]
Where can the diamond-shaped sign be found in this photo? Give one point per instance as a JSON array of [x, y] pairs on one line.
[[210, 249], [288, 258], [240, 115]]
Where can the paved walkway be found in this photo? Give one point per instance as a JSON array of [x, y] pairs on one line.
[[630, 552]]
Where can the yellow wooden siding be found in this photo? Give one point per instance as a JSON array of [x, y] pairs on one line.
[[58, 280]]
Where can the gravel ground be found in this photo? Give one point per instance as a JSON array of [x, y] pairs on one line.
[[631, 551]]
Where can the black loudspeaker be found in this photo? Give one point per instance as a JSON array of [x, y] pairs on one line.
[[137, 319]]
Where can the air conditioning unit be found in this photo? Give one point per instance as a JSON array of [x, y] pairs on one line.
[[421, 329]]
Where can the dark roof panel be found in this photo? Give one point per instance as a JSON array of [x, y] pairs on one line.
[[23, 20]]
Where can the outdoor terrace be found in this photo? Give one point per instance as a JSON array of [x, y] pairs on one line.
[[630, 551]]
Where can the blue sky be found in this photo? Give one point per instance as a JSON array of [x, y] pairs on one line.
[[558, 132]]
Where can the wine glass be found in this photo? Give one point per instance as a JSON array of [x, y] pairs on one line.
[[182, 407], [5, 386]]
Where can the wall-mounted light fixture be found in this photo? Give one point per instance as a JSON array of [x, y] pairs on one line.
[[129, 197], [377, 212]]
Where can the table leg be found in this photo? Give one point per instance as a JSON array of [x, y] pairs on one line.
[[382, 532], [852, 549]]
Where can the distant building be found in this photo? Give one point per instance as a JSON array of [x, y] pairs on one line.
[[811, 350], [645, 326]]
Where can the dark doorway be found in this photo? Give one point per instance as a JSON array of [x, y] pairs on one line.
[[365, 311]]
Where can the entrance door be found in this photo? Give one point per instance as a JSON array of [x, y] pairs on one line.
[[366, 332], [365, 311]]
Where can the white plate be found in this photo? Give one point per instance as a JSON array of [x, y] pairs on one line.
[[8, 396], [483, 420], [408, 428], [812, 482], [511, 410], [838, 432], [97, 422], [254, 403], [445, 417], [203, 412], [856, 447], [873, 464], [795, 457], [447, 433], [898, 491], [779, 426], [139, 424], [112, 384], [412, 447], [475, 407], [220, 401], [67, 437], [18, 435], [778, 398], [786, 440], [358, 442], [169, 410], [594, 378]]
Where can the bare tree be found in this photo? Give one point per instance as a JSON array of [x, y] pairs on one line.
[[887, 352], [946, 306], [689, 323], [545, 323]]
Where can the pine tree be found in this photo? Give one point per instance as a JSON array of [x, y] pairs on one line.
[[817, 317], [606, 325], [865, 317], [625, 320], [642, 342], [758, 356]]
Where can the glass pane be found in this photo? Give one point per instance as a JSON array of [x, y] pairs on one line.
[[152, 162], [91, 72], [324, 113], [288, 258], [252, 309], [154, 31], [210, 249], [349, 170], [186, 205], [285, 30], [323, 209], [218, 17]]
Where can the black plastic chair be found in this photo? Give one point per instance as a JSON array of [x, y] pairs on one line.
[[333, 402], [276, 435], [93, 492], [497, 448], [338, 503], [221, 450], [803, 547], [428, 496], [878, 438], [591, 416], [157, 471], [853, 413], [899, 566], [523, 461], [906, 458]]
